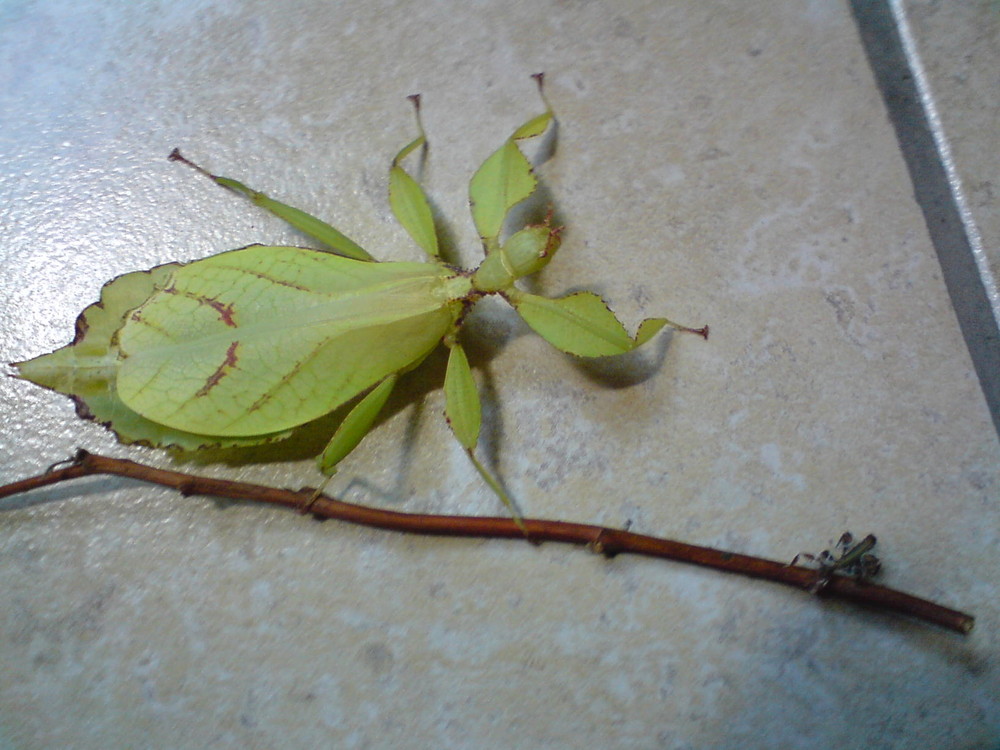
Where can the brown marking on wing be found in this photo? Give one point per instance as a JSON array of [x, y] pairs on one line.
[[227, 364], [225, 311], [137, 317], [265, 277], [269, 394]]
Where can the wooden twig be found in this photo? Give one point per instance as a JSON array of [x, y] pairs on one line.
[[603, 540]]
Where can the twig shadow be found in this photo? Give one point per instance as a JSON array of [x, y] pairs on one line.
[[99, 486]]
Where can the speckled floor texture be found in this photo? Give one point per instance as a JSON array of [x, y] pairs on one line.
[[727, 163]]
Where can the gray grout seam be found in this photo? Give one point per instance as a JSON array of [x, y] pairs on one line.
[[895, 63]]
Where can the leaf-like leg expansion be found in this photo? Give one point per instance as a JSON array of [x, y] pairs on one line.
[[407, 198], [462, 407], [356, 425], [582, 324], [464, 414], [309, 225], [505, 179], [351, 431]]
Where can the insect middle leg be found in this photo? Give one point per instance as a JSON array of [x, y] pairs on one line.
[[308, 224]]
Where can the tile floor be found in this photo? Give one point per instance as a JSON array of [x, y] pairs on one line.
[[724, 163]]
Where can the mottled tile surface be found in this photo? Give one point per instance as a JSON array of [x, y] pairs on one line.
[[718, 163], [959, 45]]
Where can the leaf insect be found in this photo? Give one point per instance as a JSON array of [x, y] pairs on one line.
[[239, 348]]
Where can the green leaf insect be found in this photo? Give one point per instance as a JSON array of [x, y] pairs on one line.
[[240, 348]]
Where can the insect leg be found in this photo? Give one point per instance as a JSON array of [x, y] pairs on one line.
[[505, 179], [406, 196], [464, 414], [356, 425], [319, 230]]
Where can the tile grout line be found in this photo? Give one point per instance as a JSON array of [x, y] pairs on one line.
[[895, 64], [936, 127]]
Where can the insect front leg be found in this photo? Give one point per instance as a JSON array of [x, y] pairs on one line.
[[506, 178], [308, 224]]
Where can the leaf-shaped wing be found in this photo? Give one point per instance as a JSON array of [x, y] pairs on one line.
[[86, 369], [266, 338], [581, 323]]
